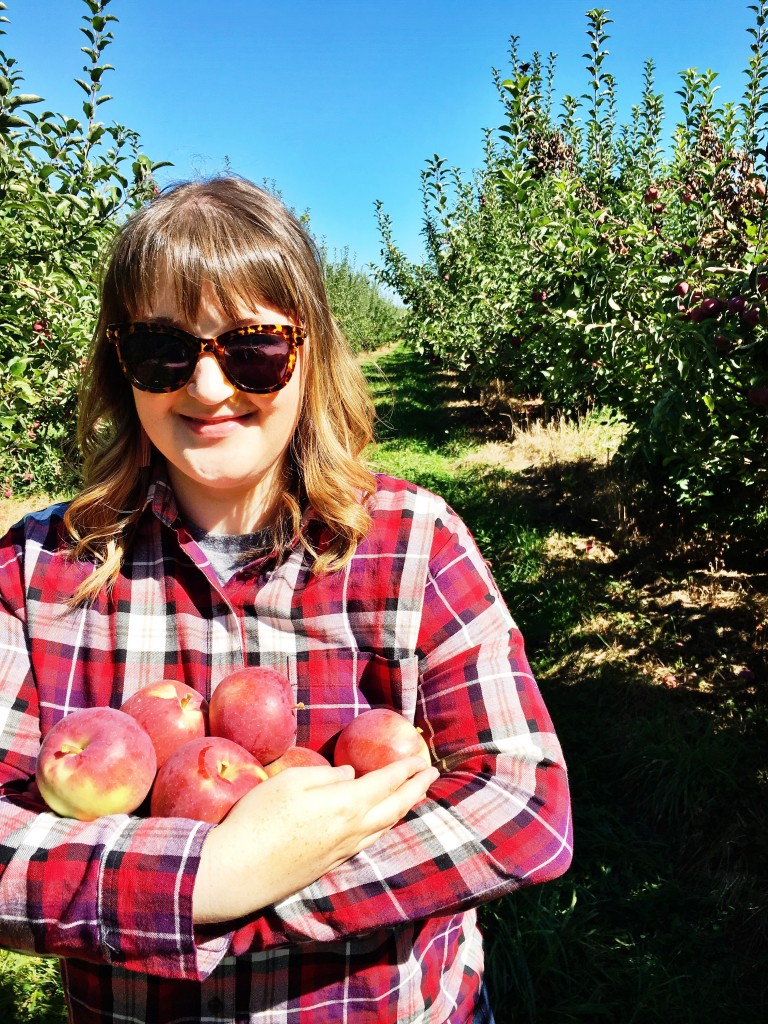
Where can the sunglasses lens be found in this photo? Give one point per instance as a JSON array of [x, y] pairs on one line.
[[258, 364], [157, 362]]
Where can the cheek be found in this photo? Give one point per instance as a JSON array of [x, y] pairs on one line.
[[291, 410], [151, 410]]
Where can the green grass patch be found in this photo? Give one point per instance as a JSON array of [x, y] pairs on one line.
[[662, 916], [30, 990]]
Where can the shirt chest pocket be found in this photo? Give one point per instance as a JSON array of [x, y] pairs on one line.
[[385, 682], [335, 687]]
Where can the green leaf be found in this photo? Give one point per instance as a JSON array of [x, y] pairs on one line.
[[26, 391], [17, 366], [23, 98], [12, 121]]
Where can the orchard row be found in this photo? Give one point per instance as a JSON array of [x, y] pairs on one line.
[[593, 266]]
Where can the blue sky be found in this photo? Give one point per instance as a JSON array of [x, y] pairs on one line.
[[341, 102]]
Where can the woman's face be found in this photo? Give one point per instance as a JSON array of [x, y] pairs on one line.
[[224, 448]]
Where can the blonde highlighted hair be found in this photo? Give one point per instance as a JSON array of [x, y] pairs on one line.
[[239, 241]]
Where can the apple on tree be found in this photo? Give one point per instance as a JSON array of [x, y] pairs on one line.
[[204, 779], [93, 762], [376, 738], [171, 712]]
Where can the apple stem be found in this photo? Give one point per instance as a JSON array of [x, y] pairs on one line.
[[69, 747], [300, 706]]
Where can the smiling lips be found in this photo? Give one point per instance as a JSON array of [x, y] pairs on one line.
[[215, 426]]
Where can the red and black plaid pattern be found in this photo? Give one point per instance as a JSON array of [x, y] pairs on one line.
[[414, 622]]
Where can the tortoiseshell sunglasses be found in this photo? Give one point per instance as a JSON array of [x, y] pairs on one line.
[[258, 359]]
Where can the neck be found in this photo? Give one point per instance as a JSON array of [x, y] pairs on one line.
[[223, 510]]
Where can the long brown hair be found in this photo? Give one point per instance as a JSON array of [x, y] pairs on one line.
[[242, 243]]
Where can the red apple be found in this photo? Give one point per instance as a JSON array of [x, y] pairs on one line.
[[204, 779], [295, 757], [376, 738], [751, 316], [255, 708], [94, 762], [171, 712], [707, 309]]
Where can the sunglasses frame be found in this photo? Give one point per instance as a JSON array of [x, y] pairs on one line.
[[216, 346]]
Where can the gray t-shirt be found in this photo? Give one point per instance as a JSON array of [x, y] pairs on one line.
[[228, 552]]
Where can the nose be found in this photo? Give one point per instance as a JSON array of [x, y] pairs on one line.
[[208, 384]]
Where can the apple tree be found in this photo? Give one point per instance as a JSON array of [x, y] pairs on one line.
[[64, 182], [588, 263]]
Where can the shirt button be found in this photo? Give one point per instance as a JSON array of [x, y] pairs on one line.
[[216, 1006]]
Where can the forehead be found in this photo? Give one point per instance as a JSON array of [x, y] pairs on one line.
[[209, 314]]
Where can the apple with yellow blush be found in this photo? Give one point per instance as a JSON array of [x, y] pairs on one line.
[[93, 762]]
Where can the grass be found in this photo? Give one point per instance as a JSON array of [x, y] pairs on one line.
[[648, 639]]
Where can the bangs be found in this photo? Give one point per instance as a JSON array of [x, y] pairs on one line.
[[236, 253]]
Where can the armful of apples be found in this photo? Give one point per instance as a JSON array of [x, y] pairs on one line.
[[283, 836], [207, 763]]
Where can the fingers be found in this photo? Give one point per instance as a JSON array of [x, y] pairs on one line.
[[389, 796], [380, 783], [375, 801], [372, 787]]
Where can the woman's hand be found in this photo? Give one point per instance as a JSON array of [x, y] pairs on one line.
[[288, 831]]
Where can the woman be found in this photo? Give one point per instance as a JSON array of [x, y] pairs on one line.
[[227, 518]]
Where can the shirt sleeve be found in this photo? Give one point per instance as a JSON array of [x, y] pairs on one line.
[[116, 890], [498, 818]]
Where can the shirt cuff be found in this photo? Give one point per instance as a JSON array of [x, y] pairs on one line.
[[145, 893]]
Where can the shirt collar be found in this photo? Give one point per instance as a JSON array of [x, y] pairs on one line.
[[161, 501]]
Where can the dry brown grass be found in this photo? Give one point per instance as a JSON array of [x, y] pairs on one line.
[[547, 443], [681, 608], [12, 509]]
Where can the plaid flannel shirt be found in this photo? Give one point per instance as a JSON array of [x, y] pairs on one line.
[[414, 622]]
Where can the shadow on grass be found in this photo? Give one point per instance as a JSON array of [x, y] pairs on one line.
[[421, 400], [663, 914]]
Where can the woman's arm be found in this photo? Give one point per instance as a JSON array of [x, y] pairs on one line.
[[122, 889], [498, 817], [297, 826], [115, 890]]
